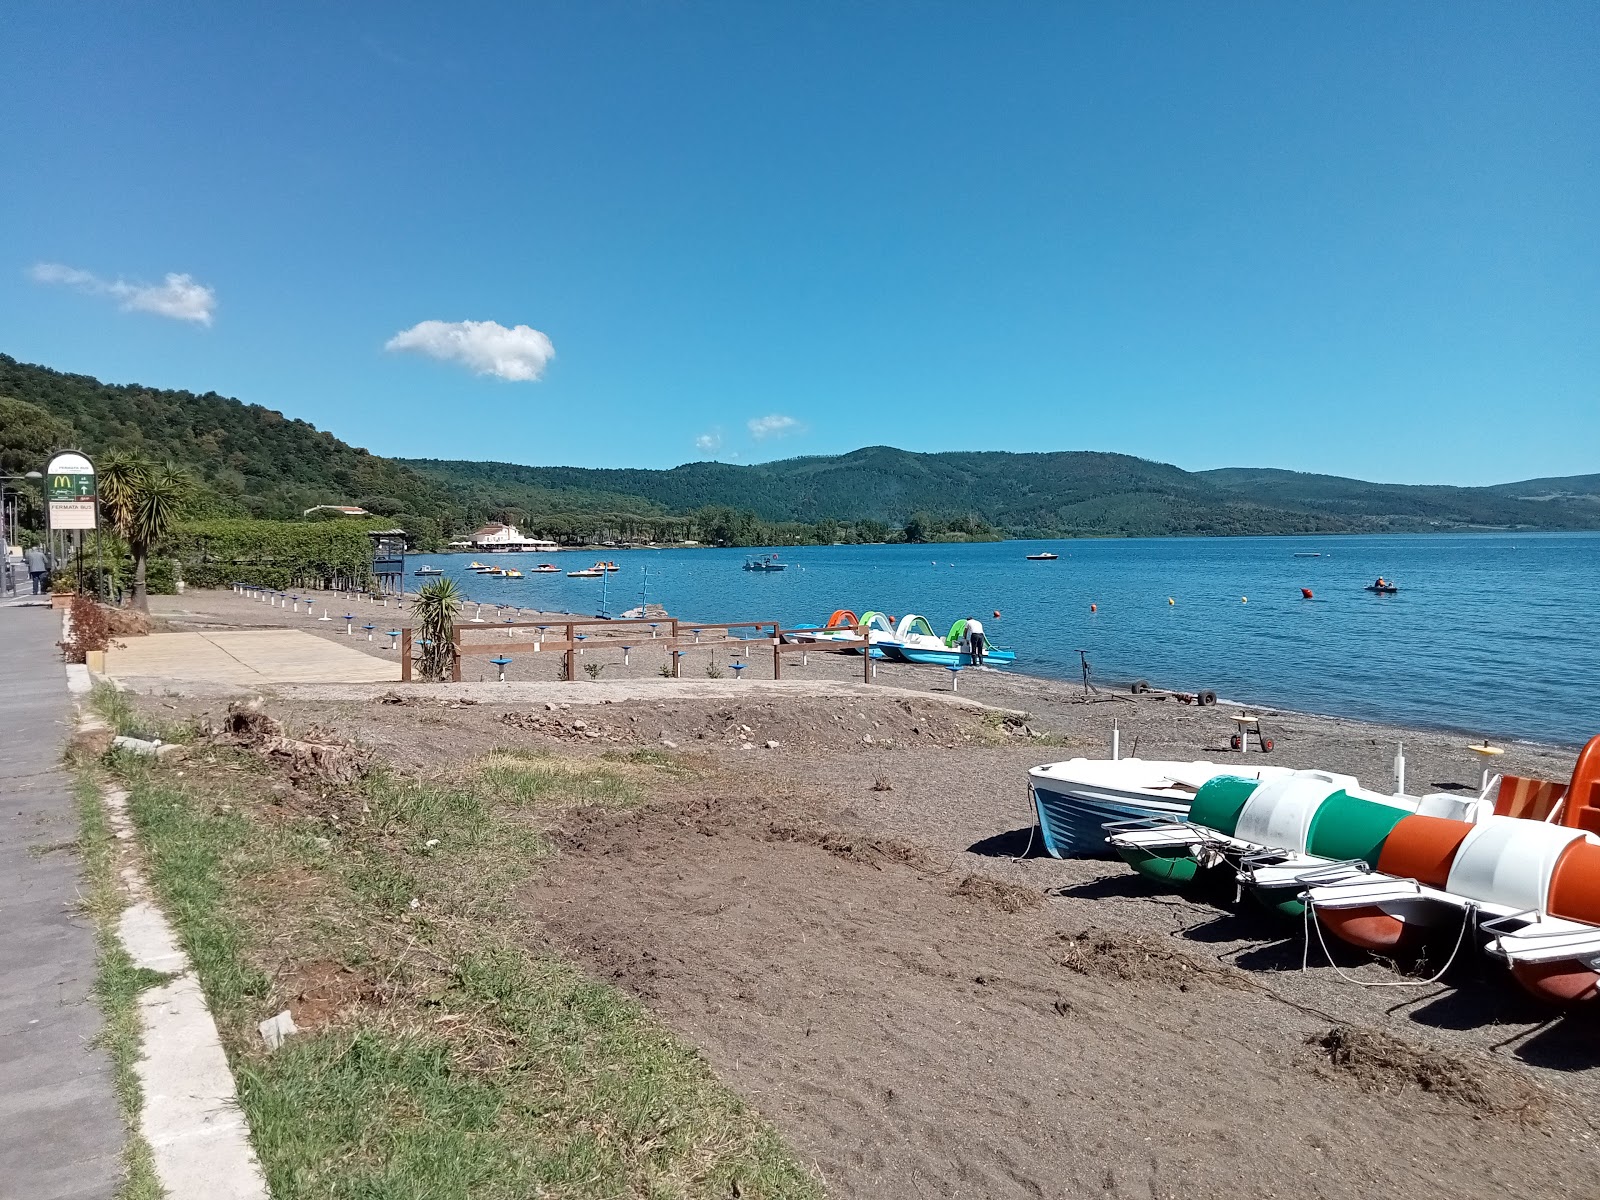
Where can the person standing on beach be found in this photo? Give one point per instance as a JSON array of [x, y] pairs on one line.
[[975, 641], [37, 566]]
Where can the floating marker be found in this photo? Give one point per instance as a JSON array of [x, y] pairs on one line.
[[1170, 600], [1094, 608], [1305, 593]]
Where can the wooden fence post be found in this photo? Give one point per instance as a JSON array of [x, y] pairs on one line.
[[405, 654], [572, 655], [455, 653], [866, 654]]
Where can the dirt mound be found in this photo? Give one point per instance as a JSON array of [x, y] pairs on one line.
[[813, 724], [127, 622], [1376, 1062], [560, 725], [1133, 957], [852, 847], [320, 991], [1007, 897]]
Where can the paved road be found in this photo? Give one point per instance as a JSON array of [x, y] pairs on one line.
[[61, 1133]]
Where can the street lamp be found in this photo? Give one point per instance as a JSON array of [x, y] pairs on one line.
[[8, 524]]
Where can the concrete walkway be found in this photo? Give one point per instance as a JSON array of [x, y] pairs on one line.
[[61, 1133], [248, 658]]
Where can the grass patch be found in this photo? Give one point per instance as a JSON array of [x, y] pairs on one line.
[[471, 1065], [116, 709], [542, 779], [118, 984], [119, 711]]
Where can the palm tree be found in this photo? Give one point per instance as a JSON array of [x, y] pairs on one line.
[[435, 610], [142, 501]]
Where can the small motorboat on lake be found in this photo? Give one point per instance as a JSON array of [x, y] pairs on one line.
[[586, 573], [1043, 556], [428, 571], [764, 562]]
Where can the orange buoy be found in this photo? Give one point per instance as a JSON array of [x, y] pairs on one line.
[[997, 614], [1094, 608], [1306, 592]]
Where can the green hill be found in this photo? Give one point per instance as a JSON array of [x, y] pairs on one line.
[[254, 461], [1061, 493], [257, 462], [1533, 504]]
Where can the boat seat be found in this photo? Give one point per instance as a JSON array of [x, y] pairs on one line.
[[1547, 940], [1530, 799], [1156, 839], [1304, 871], [1368, 888], [1171, 833]]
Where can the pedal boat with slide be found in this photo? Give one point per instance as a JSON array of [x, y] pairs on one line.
[[1517, 867]]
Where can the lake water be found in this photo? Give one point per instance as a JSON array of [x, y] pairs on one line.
[[1494, 634]]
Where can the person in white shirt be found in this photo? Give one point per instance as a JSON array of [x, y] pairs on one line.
[[975, 642]]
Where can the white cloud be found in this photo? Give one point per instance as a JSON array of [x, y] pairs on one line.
[[709, 441], [774, 425], [486, 347], [177, 296]]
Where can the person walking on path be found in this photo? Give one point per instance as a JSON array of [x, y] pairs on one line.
[[37, 566], [975, 642]]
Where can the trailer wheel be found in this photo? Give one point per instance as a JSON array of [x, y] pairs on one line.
[[1140, 686], [1267, 743], [1207, 698], [1233, 741]]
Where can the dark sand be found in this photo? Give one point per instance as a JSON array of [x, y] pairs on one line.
[[847, 930]]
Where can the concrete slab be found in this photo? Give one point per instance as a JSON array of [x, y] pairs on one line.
[[245, 658]]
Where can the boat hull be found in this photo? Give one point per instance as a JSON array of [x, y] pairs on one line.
[[1072, 818], [954, 658]]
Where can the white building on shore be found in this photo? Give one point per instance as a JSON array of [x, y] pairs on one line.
[[507, 538]]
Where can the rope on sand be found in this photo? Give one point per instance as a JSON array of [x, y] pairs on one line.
[[1305, 957]]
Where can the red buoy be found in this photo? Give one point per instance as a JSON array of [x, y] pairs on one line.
[[1306, 592], [1094, 608]]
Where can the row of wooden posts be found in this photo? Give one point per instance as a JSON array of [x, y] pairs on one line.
[[681, 636]]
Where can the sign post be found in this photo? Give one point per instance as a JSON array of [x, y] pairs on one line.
[[72, 501]]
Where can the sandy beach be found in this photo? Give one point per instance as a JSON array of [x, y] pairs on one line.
[[839, 900]]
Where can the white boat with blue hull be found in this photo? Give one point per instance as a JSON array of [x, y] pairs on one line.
[[1075, 800], [915, 641]]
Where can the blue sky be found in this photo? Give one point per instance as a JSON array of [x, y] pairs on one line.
[[1355, 238]]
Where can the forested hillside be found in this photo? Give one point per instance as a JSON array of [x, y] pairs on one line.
[[257, 462], [254, 461], [1536, 504], [1065, 493]]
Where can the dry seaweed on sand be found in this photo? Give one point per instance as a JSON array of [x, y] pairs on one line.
[[1377, 1062], [1007, 897], [1135, 957]]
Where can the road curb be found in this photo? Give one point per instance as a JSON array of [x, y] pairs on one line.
[[190, 1117]]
